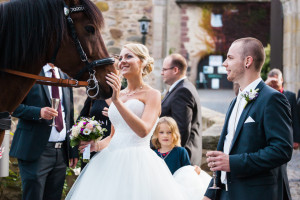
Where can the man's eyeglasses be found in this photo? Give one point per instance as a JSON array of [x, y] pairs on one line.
[[166, 69]]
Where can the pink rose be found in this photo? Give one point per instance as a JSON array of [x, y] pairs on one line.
[[89, 126]]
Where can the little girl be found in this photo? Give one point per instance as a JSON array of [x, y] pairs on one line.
[[166, 141]]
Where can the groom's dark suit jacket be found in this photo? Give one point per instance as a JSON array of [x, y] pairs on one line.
[[291, 97], [260, 149], [183, 104], [33, 133]]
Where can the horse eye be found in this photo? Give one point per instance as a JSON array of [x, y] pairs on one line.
[[90, 29]]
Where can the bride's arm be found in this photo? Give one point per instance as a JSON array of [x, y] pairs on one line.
[[105, 142], [141, 126], [97, 145]]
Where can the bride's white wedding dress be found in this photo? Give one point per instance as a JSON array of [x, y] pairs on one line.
[[129, 170]]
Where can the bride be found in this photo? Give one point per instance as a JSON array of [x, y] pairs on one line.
[[125, 167]]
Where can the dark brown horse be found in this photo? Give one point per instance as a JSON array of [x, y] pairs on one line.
[[35, 32]]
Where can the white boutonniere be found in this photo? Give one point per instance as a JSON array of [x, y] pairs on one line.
[[250, 96]]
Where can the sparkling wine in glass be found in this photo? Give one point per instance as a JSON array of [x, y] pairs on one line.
[[54, 104], [214, 187]]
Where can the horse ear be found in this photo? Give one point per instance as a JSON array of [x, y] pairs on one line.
[[67, 2], [76, 2], [72, 2]]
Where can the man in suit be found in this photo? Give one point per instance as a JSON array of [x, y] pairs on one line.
[[256, 140], [183, 104], [275, 80], [43, 151]]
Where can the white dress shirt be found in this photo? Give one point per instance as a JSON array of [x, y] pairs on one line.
[[234, 119], [56, 136], [175, 83]]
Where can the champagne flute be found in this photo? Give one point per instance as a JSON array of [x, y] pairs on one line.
[[214, 187], [54, 104]]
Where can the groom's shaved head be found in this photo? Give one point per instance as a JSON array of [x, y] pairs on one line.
[[254, 48]]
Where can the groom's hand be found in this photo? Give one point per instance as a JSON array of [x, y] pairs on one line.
[[206, 198], [218, 161]]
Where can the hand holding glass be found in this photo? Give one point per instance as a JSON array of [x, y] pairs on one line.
[[214, 187], [54, 104]]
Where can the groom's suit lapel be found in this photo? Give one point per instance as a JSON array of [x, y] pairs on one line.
[[244, 115], [168, 94], [225, 127]]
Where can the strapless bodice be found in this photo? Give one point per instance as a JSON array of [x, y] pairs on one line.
[[124, 136]]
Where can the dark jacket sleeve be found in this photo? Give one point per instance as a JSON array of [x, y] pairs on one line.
[[182, 112], [85, 111], [295, 117], [73, 151], [27, 112], [298, 115]]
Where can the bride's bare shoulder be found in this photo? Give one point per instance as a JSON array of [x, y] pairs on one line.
[[153, 94]]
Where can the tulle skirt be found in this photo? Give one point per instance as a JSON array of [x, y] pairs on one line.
[[136, 173]]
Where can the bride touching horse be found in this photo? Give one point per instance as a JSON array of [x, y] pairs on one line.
[[63, 32]]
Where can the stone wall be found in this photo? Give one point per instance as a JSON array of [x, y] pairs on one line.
[[212, 122], [122, 27], [291, 44]]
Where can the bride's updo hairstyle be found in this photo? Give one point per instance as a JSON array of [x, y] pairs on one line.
[[142, 52]]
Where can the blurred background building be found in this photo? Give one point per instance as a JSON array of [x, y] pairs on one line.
[[202, 31]]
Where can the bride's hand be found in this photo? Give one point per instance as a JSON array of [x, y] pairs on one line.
[[114, 82], [105, 111], [84, 144]]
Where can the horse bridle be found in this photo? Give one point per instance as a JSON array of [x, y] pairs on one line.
[[89, 66], [92, 82]]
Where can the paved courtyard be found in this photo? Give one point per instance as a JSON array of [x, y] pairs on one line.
[[294, 175], [219, 101]]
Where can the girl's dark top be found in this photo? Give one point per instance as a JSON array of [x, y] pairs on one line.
[[177, 158], [94, 108]]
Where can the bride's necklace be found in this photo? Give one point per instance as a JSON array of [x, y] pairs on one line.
[[127, 93]]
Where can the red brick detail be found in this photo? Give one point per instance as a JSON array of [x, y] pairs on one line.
[[183, 31]]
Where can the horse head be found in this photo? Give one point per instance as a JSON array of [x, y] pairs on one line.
[[87, 24]]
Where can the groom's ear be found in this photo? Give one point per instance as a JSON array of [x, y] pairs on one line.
[[248, 61]]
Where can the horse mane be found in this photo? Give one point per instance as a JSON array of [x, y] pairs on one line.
[[29, 27]]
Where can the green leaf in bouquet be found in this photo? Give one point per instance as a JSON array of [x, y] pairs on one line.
[[74, 143]]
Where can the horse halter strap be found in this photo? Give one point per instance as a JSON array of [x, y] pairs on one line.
[[89, 66]]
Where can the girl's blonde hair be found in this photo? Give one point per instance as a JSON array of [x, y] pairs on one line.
[[174, 130], [142, 52]]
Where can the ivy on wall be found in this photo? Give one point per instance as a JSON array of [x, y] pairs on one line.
[[239, 20]]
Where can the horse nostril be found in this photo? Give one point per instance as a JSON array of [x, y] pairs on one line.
[[90, 29]]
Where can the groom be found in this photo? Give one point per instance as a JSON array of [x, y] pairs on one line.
[[256, 140]]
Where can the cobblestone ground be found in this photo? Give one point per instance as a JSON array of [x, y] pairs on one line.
[[293, 171]]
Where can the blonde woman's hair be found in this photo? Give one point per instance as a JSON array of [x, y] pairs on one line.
[[142, 52], [174, 130]]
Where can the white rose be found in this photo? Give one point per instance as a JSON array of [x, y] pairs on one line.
[[75, 131], [80, 124]]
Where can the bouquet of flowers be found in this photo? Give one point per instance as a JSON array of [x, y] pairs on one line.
[[86, 129]]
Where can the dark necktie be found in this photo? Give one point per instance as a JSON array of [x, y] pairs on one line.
[[55, 94]]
